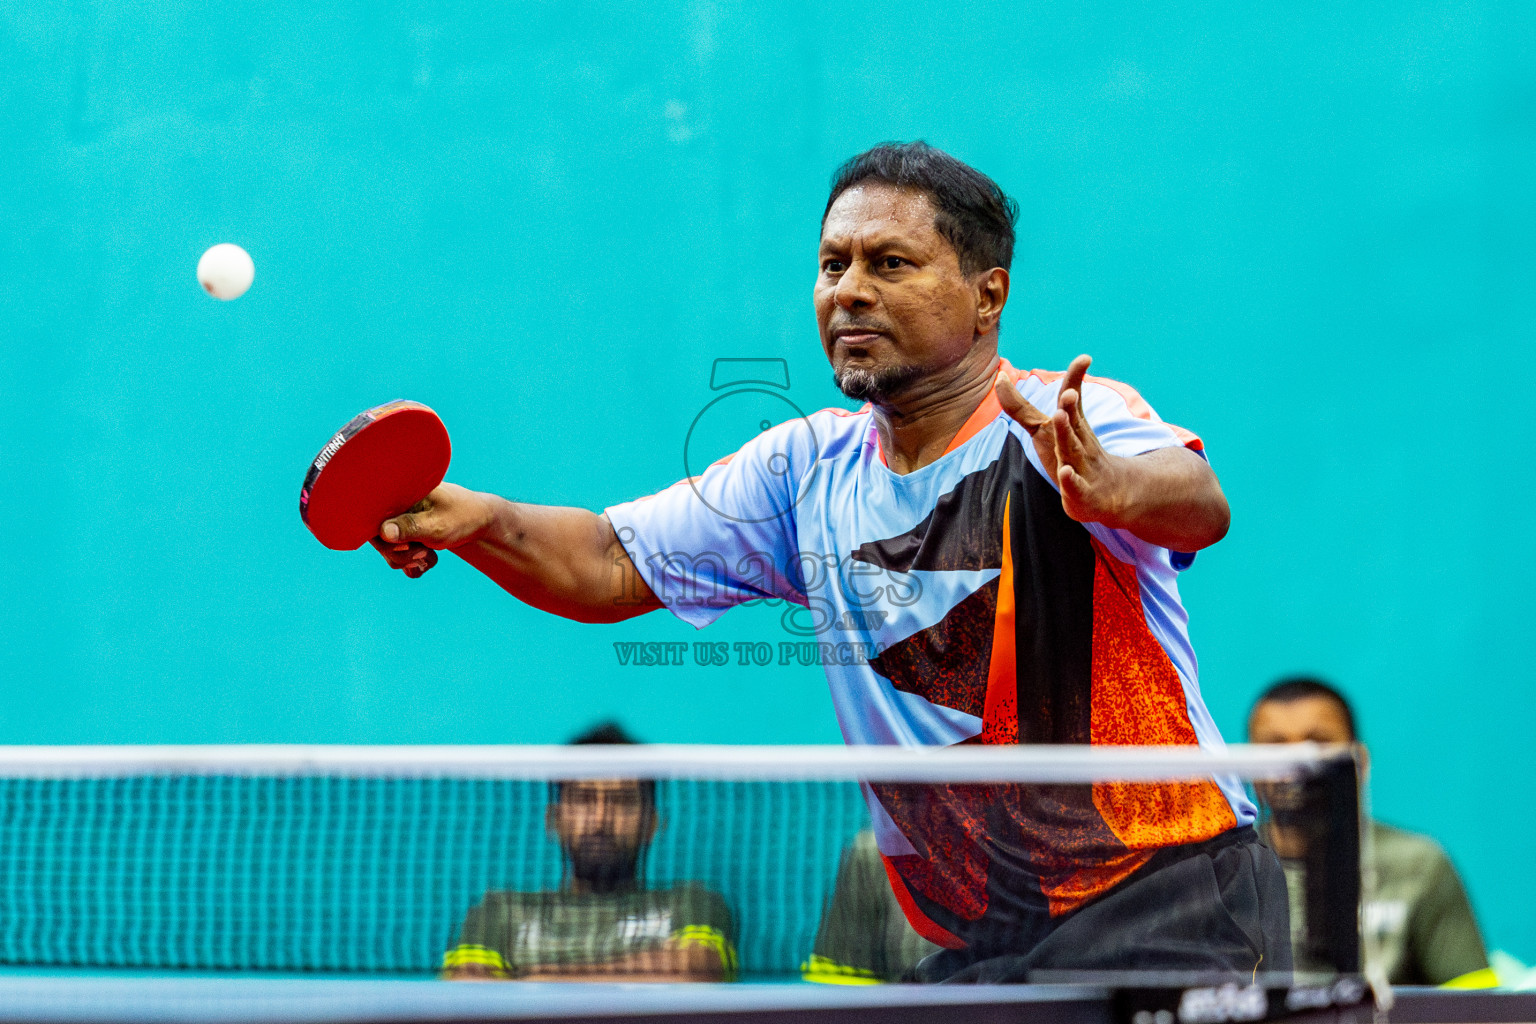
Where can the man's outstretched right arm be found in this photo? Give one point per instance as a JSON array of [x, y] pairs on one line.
[[563, 560]]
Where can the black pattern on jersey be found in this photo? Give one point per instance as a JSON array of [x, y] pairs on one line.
[[946, 663], [964, 529], [978, 872]]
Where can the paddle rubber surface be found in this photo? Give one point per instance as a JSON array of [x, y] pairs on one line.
[[382, 463]]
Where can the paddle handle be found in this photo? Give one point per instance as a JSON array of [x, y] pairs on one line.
[[385, 547]]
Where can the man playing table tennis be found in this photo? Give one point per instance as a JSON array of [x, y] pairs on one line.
[[1008, 541]]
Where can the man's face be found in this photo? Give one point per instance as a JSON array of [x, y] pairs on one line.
[[1307, 720], [891, 301], [1310, 719], [603, 825]]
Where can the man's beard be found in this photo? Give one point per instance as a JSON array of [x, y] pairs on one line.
[[873, 385], [603, 864]]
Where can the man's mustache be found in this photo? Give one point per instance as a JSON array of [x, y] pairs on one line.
[[858, 325]]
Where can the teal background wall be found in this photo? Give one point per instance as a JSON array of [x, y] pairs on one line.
[[1305, 232]]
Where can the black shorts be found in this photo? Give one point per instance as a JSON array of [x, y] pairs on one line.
[[1217, 906]]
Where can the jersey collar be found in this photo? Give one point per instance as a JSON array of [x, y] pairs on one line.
[[989, 410]]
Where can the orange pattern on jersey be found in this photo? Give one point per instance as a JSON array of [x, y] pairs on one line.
[[920, 922], [1000, 719], [1138, 699], [1071, 890]]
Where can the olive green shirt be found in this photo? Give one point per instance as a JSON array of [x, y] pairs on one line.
[[511, 933], [864, 936], [1415, 921]]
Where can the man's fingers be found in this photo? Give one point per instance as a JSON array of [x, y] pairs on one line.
[[1071, 402], [431, 521], [1073, 381], [419, 566], [416, 525], [1069, 447], [400, 528], [386, 549], [1014, 405], [1070, 399], [397, 555], [1074, 493], [421, 559], [414, 559]]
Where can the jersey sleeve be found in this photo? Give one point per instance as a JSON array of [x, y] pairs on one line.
[[481, 940], [727, 536], [1127, 426], [703, 918]]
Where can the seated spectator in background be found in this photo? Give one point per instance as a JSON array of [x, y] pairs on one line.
[[1417, 920], [602, 924], [864, 938]]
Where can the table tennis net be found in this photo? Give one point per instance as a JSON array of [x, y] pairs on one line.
[[377, 860]]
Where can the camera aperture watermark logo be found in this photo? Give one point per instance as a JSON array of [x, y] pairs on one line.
[[838, 604], [754, 401]]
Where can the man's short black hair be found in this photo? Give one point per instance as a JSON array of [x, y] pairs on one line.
[[1294, 688], [608, 733], [974, 214]]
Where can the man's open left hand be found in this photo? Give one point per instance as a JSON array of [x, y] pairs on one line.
[[1091, 480]]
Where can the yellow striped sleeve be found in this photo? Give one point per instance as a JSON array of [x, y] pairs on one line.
[[825, 971], [463, 956], [710, 938], [1481, 978]]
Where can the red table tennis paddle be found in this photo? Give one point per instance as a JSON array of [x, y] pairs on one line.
[[383, 463]]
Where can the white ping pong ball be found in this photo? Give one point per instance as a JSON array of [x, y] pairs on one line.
[[226, 271]]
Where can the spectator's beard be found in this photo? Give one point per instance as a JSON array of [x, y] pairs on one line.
[[603, 863], [881, 383]]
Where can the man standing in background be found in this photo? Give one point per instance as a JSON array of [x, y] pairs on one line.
[[1417, 921]]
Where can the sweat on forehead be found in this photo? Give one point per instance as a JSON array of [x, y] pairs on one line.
[[877, 200], [872, 209]]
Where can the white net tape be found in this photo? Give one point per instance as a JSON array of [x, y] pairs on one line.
[[1039, 764]]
